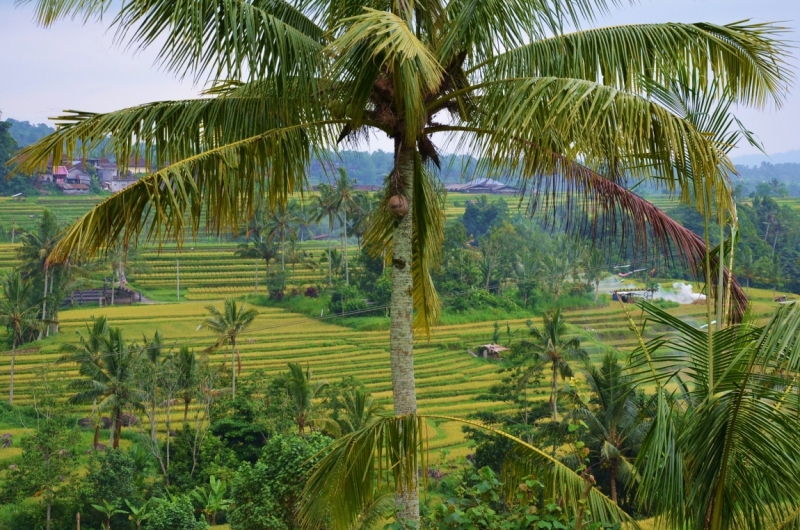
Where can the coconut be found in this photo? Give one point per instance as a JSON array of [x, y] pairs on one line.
[[398, 205]]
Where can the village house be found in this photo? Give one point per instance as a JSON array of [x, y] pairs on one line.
[[482, 186]]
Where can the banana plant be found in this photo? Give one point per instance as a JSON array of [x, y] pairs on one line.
[[211, 499], [138, 515], [108, 510]]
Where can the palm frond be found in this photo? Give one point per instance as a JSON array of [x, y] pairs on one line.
[[166, 132], [603, 128], [342, 484], [377, 42], [734, 447], [220, 38], [223, 181], [748, 58], [360, 462]]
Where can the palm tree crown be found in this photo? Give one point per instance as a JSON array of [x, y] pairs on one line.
[[553, 347], [228, 324], [18, 312], [110, 379]]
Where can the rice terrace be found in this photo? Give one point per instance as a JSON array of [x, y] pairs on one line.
[[407, 265]]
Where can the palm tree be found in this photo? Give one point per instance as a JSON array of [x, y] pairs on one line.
[[560, 263], [281, 224], [35, 252], [297, 256], [18, 314], [594, 268], [303, 391], [360, 410], [187, 377], [88, 350], [553, 347], [344, 201], [716, 453], [110, 379], [325, 207], [228, 324], [305, 219], [614, 418], [265, 250], [365, 206], [566, 111]]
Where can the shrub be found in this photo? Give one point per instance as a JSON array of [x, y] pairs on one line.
[[480, 505], [176, 513], [345, 299], [311, 292], [264, 494]]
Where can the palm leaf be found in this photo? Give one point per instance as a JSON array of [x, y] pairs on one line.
[[223, 181], [360, 462], [220, 38], [748, 58]]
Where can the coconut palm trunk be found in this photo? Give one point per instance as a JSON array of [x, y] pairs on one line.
[[330, 250], [344, 248], [554, 395], [233, 368], [11, 378], [401, 337], [44, 303], [116, 429]]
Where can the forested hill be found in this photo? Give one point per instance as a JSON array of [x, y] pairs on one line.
[[370, 168], [26, 133]]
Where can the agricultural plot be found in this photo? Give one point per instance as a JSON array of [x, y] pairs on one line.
[[449, 380]]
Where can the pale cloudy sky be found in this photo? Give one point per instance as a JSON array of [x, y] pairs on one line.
[[72, 66]]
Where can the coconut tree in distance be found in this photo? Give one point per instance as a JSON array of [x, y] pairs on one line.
[[280, 225], [594, 268], [18, 314], [109, 379], [88, 350], [227, 325], [344, 200], [568, 114], [553, 347], [187, 377], [613, 415], [325, 208]]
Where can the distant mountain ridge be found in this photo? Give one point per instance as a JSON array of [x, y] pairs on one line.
[[26, 133], [787, 157]]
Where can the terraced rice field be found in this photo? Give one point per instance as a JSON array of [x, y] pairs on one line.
[[449, 380]]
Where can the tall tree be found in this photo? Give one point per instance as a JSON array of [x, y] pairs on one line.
[[35, 252], [228, 324], [187, 377], [325, 207], [18, 314], [281, 224], [303, 391], [344, 201], [297, 256], [566, 112], [110, 381], [88, 350], [594, 268], [555, 349], [615, 418]]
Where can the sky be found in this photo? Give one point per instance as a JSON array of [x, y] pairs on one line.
[[80, 67]]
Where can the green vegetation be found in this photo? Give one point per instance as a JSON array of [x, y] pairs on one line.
[[700, 419]]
